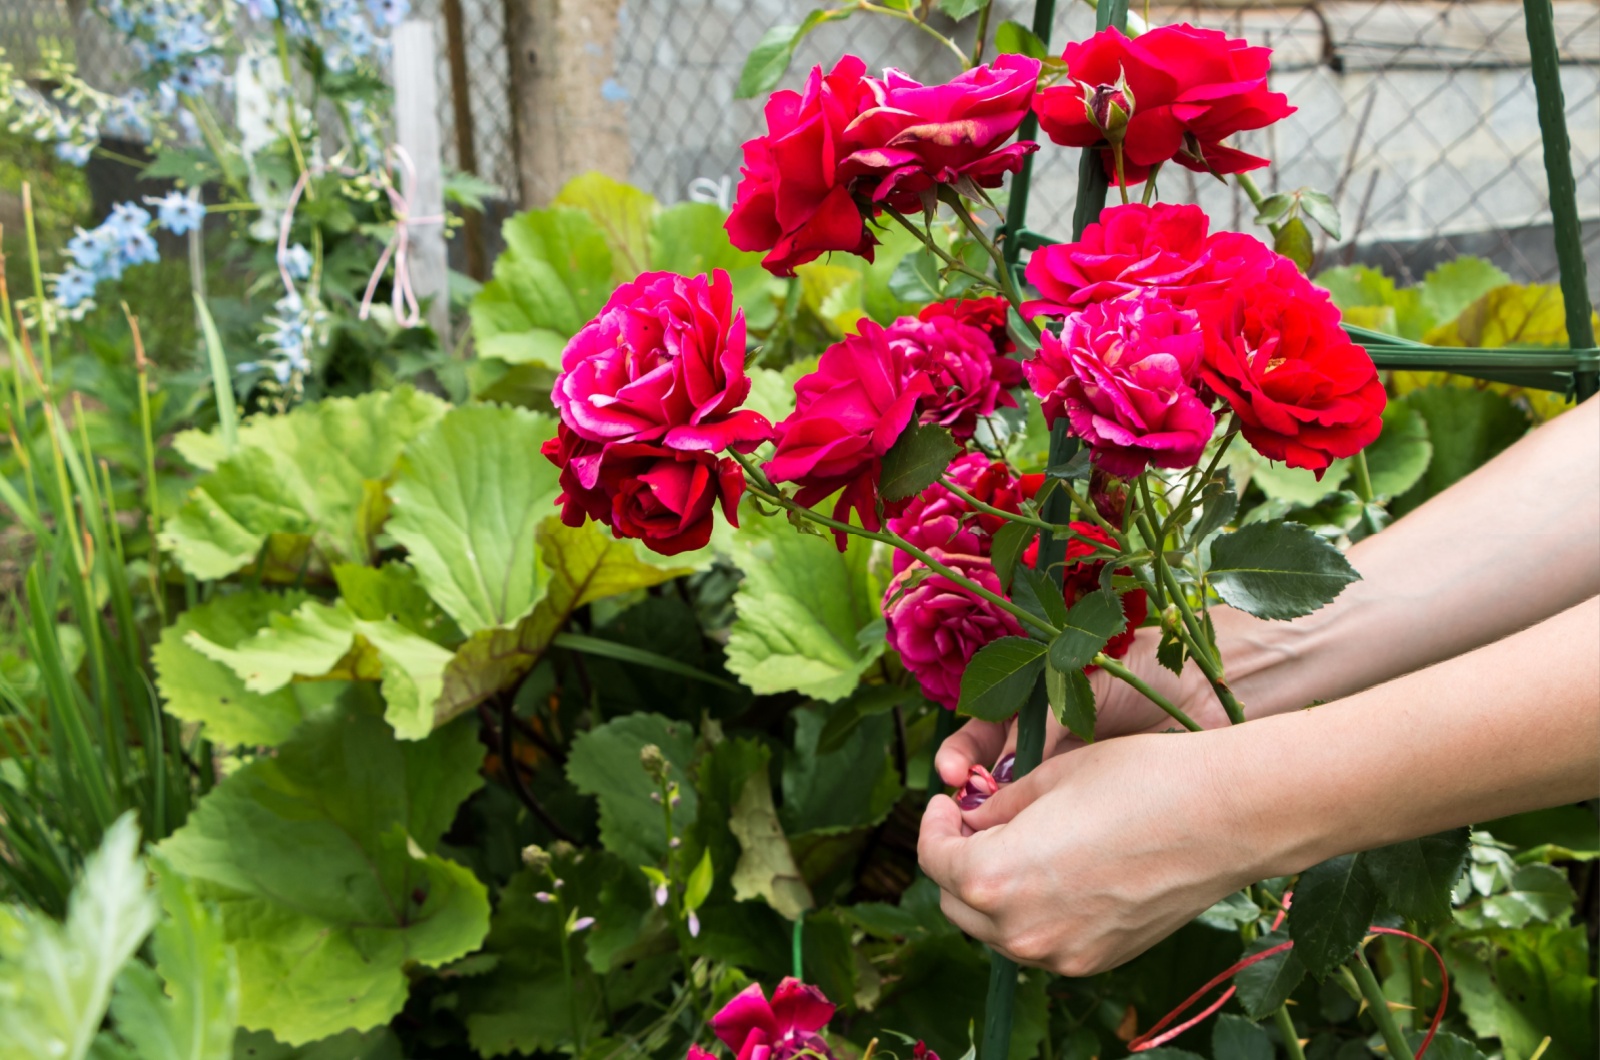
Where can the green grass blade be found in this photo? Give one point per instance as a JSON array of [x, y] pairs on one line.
[[221, 380], [607, 649]]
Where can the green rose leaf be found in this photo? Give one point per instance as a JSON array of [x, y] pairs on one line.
[[1072, 701], [197, 688], [1008, 546], [999, 678], [1278, 570], [915, 461], [1334, 903], [56, 979], [769, 59], [1445, 1046], [1239, 1039], [319, 859], [1293, 241], [1013, 38], [1417, 877], [1089, 623], [184, 1008], [604, 763], [467, 514], [799, 609], [312, 477], [1039, 594], [1266, 984]]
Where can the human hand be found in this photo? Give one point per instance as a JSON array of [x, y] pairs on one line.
[[1095, 856], [1120, 710]]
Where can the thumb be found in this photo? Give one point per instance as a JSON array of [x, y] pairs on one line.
[[1015, 797], [975, 743]]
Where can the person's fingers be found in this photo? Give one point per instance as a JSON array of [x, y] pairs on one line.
[[975, 743], [940, 844], [1017, 796], [968, 919]]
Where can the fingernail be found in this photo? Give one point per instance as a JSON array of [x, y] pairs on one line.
[[979, 786], [1005, 769]]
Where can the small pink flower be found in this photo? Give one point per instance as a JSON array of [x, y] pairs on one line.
[[756, 1029], [543, 896], [937, 625], [918, 136], [661, 894], [1122, 372], [583, 923], [694, 926]]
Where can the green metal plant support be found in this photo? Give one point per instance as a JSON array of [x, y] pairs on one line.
[[1574, 370]]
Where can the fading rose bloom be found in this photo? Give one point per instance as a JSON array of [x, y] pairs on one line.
[[959, 361], [793, 202], [756, 1029], [937, 625], [919, 136], [665, 498], [1303, 391], [1122, 372], [848, 413], [920, 1051], [1131, 248], [937, 518], [662, 363], [1191, 88]]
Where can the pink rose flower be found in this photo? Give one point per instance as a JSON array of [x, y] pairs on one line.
[[988, 313], [937, 518], [793, 201], [937, 626], [848, 413], [918, 136], [662, 363], [1122, 374], [665, 498], [1130, 248], [756, 1029], [959, 360]]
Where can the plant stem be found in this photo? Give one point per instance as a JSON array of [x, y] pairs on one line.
[[38, 277], [1363, 477], [1122, 673], [1093, 514], [983, 32], [1291, 1039], [906, 16], [1008, 283], [989, 509], [926, 240], [895, 540], [1378, 1005]]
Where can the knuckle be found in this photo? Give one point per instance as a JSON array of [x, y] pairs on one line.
[[985, 890], [1030, 946]]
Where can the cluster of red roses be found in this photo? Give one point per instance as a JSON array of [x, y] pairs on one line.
[[850, 145], [788, 1027]]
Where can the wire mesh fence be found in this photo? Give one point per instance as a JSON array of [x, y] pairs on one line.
[[1418, 116]]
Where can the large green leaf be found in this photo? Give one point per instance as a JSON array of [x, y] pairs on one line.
[[1239, 1039], [1266, 984], [604, 762], [582, 565], [840, 790], [624, 213], [555, 274], [315, 475], [1278, 570], [801, 607], [1454, 285], [1417, 877], [1400, 456], [468, 494], [185, 1007], [1334, 903], [200, 689], [380, 1044], [319, 858], [56, 979], [1519, 986], [1466, 428]]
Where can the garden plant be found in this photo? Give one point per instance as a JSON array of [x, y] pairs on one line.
[[579, 696]]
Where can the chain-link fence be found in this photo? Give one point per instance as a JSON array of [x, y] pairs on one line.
[[1418, 116]]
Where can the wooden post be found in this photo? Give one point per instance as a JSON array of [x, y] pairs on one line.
[[416, 106], [455, 36], [568, 117]]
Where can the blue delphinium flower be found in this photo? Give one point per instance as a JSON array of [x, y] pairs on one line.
[[105, 252], [388, 12], [297, 260], [178, 213], [74, 287]]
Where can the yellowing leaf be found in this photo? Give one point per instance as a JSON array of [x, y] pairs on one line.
[[1512, 315]]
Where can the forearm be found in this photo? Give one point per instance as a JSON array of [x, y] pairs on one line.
[[1510, 727], [1510, 545]]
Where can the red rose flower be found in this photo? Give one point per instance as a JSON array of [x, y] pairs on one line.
[[1122, 374], [959, 361], [662, 363], [937, 626], [937, 518], [918, 136], [986, 313], [1189, 89], [793, 201], [663, 497], [1303, 391], [848, 413]]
